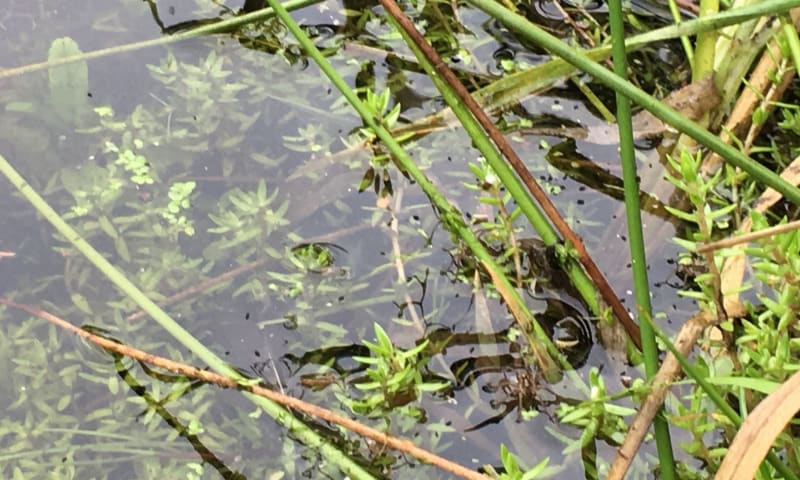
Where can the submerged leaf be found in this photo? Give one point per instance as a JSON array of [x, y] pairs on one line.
[[69, 84], [369, 177]]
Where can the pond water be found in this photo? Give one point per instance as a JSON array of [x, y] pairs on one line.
[[249, 122]]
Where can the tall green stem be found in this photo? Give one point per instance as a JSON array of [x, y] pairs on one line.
[[703, 61], [635, 236]]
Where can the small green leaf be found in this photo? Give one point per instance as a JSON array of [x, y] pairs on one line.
[[80, 301], [107, 227], [367, 180], [383, 339], [366, 360], [63, 402], [536, 471], [575, 414], [113, 385], [619, 410], [122, 249]]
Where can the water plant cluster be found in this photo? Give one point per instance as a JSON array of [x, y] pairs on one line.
[[312, 203]]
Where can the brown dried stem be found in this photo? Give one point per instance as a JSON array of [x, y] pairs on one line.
[[749, 237], [400, 445], [605, 290]]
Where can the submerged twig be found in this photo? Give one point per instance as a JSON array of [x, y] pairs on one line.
[[399, 265], [201, 287], [404, 446]]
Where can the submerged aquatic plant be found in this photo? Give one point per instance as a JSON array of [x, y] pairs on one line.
[[204, 100], [247, 218]]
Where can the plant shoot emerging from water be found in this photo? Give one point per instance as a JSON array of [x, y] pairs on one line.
[[395, 378]]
